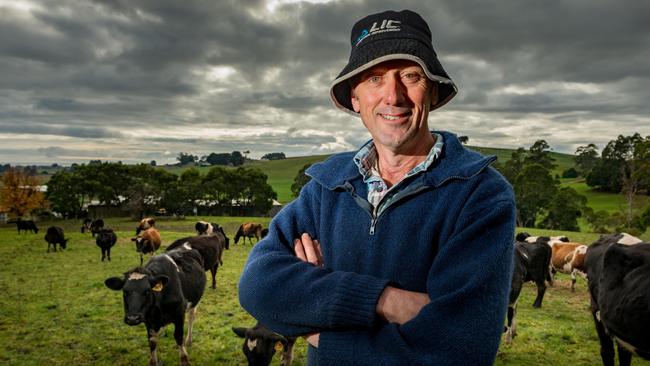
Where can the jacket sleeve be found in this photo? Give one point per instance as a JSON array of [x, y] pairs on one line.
[[293, 297], [468, 285]]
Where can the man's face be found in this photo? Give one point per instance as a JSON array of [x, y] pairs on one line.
[[393, 99]]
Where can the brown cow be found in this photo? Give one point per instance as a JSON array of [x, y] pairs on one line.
[[569, 258], [147, 242], [146, 223], [249, 230]]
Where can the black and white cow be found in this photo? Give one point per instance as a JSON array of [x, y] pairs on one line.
[[518, 278], [260, 344], [25, 225], [206, 228], [618, 272], [210, 247], [105, 240], [536, 259], [95, 226], [85, 225], [54, 236], [160, 293]]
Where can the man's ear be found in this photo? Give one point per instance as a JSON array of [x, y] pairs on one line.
[[355, 102]]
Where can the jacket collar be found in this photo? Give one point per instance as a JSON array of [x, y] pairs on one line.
[[455, 162]]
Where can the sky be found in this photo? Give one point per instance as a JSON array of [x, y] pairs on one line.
[[135, 81]]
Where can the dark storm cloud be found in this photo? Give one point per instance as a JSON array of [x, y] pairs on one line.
[[102, 69]]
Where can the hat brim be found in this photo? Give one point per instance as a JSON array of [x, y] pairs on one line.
[[386, 50]]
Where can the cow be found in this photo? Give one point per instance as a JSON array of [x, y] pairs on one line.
[[105, 239], [53, 236], [146, 223], [568, 258], [209, 246], [160, 293], [264, 233], [260, 344], [25, 225], [96, 226], [519, 273], [249, 230], [85, 225], [537, 260], [549, 240], [205, 228], [147, 242], [618, 273]]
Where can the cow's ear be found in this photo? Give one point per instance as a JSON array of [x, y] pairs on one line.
[[158, 282], [114, 283], [241, 332]]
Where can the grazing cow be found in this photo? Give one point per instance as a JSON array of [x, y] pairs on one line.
[[260, 344], [160, 293], [569, 258], [249, 230], [106, 238], [147, 242], [619, 279], [146, 223], [85, 225], [96, 226], [264, 233], [25, 225], [209, 246], [54, 236]]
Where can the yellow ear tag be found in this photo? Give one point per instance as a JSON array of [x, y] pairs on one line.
[[278, 346], [158, 287]]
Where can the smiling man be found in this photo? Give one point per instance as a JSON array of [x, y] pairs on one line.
[[399, 253]]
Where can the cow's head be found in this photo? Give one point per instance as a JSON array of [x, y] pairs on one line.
[[64, 243], [138, 291], [142, 245], [260, 344]]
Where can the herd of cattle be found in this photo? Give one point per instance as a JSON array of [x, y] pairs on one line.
[[616, 266], [617, 269]]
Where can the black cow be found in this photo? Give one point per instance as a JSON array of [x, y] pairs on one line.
[[209, 246], [518, 279], [260, 344], [54, 236], [25, 225], [160, 293], [85, 225], [204, 228], [105, 239], [96, 226], [536, 257], [265, 232], [619, 279]]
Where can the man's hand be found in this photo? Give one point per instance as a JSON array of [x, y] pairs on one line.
[[399, 306], [308, 250]]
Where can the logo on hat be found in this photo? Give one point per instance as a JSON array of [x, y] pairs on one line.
[[386, 26]]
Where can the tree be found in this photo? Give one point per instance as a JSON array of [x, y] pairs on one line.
[[186, 158], [539, 153], [20, 193], [66, 194], [534, 189], [570, 173], [300, 180], [237, 158], [564, 210], [586, 159], [511, 168], [274, 156]]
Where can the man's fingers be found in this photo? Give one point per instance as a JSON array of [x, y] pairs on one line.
[[319, 254], [300, 250], [310, 252]]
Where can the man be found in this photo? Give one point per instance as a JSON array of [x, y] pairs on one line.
[[400, 253]]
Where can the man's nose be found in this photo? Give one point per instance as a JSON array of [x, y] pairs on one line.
[[394, 90]]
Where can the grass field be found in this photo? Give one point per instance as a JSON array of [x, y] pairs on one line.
[[55, 309]]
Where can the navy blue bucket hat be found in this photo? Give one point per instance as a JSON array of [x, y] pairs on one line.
[[391, 35]]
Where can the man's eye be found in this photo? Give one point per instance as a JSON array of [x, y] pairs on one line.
[[412, 76], [374, 79]]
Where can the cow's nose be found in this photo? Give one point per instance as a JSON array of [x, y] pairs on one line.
[[132, 319]]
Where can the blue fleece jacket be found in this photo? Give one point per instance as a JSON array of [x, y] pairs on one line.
[[448, 232]]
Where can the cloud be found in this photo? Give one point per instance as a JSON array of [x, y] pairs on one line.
[[146, 80]]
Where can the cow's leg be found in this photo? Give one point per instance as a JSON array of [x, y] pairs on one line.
[[191, 315], [48, 247], [573, 280], [541, 289], [624, 356], [140, 259], [213, 272], [551, 275], [153, 336], [178, 337], [510, 327], [606, 343], [287, 355], [108, 254]]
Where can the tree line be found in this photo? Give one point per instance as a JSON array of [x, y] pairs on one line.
[[143, 189]]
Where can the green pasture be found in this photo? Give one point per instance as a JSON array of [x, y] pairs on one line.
[[55, 309]]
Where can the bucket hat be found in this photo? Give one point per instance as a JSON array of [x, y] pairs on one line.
[[391, 35]]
